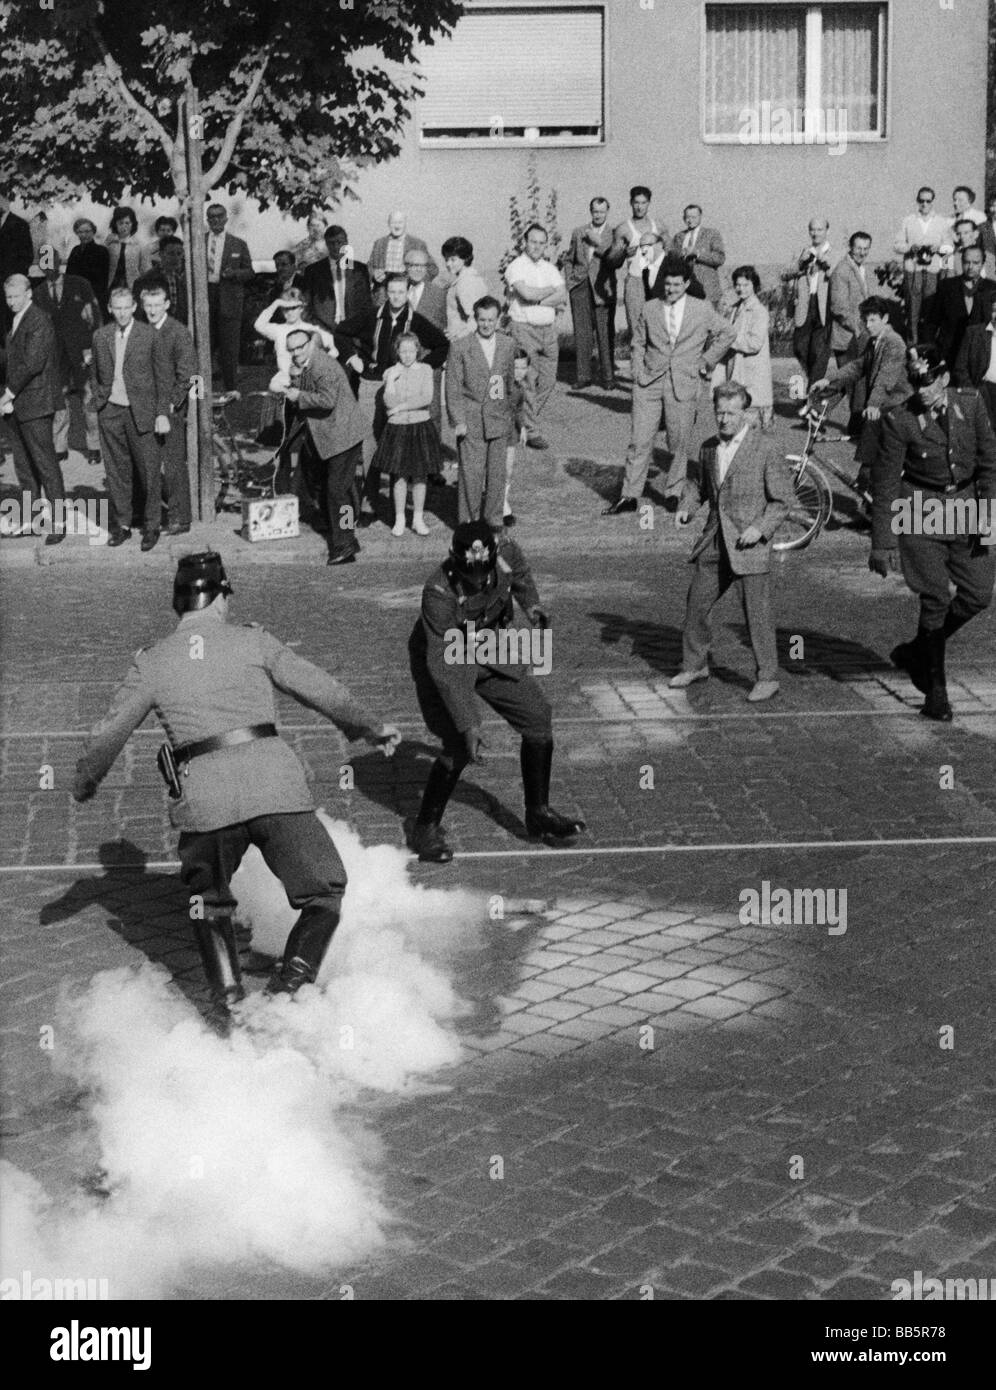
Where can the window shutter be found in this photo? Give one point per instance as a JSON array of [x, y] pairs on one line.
[[525, 68]]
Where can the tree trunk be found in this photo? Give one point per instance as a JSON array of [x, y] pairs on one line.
[[206, 488]]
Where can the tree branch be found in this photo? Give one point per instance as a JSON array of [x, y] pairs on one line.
[[214, 174], [146, 118]]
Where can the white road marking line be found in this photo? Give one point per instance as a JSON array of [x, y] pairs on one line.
[[728, 847]]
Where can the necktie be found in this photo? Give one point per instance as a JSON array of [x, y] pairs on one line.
[[120, 270], [670, 324], [58, 291]]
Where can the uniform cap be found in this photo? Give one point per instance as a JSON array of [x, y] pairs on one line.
[[199, 580], [474, 548]]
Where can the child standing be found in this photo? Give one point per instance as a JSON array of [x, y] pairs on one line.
[[518, 435], [409, 447]]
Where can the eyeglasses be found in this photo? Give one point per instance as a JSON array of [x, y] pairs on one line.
[[925, 200]]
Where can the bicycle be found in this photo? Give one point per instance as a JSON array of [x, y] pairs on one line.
[[813, 506], [239, 477]]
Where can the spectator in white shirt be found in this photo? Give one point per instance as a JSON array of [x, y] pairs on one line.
[[538, 293], [292, 304]]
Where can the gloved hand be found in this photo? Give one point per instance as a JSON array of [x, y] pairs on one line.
[[883, 562], [473, 740], [538, 616], [84, 788], [387, 739]]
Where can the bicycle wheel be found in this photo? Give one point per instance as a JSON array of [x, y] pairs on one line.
[[811, 508]]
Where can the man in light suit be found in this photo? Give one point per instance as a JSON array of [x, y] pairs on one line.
[[925, 241], [131, 411], [30, 399], [480, 384], [388, 253], [676, 344], [749, 490], [849, 288], [703, 249], [336, 430], [176, 362], [811, 340], [229, 271], [591, 283], [882, 367], [336, 289]]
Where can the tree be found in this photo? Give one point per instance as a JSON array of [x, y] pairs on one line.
[[284, 100]]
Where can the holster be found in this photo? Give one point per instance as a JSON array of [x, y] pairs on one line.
[[169, 771]]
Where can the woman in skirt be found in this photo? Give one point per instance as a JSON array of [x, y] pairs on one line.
[[409, 447]]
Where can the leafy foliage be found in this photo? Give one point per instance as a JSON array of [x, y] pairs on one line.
[[295, 95], [520, 216]]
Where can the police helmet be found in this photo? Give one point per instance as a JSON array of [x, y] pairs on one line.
[[474, 550], [925, 363], [199, 580]]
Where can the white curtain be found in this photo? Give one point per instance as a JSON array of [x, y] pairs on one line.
[[851, 63], [754, 53]]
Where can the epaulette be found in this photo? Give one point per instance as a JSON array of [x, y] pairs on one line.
[[252, 624], [503, 564]]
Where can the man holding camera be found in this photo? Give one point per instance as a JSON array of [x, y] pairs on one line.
[[937, 448], [924, 241]]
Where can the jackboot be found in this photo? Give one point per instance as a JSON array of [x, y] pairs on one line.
[[542, 823], [426, 838], [936, 705], [220, 958], [954, 619], [911, 657], [307, 944]]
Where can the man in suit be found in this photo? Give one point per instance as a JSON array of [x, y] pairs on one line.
[[987, 236], [959, 303], [976, 364], [365, 343], [387, 256], [849, 288], [626, 250], [591, 284], [427, 299], [749, 490], [240, 783], [72, 306], [677, 342], [336, 430], [132, 410], [336, 289], [229, 271], [811, 339], [29, 401], [16, 250], [938, 454], [285, 277], [176, 364], [924, 242], [882, 367], [168, 271], [703, 250], [480, 388]]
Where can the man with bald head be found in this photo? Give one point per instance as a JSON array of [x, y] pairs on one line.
[[32, 396], [388, 255], [811, 340]]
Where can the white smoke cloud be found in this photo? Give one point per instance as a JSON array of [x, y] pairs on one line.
[[223, 1151]]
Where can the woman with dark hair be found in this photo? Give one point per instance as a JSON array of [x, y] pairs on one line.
[[91, 261], [467, 287], [749, 359], [124, 249]]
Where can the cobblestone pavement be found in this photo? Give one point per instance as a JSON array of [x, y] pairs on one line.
[[649, 1069]]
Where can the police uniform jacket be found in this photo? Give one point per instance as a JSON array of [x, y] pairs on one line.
[[447, 607], [919, 453], [210, 677]]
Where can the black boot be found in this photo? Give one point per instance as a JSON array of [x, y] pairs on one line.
[[536, 760], [427, 839], [309, 940], [911, 657], [220, 957], [936, 705], [955, 619]]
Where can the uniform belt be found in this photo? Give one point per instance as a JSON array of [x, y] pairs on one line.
[[230, 740], [946, 489]]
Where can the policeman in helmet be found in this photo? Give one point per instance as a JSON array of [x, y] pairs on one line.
[[233, 781], [458, 658], [938, 460]]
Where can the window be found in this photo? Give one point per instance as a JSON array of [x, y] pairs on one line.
[[794, 74], [519, 74]]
